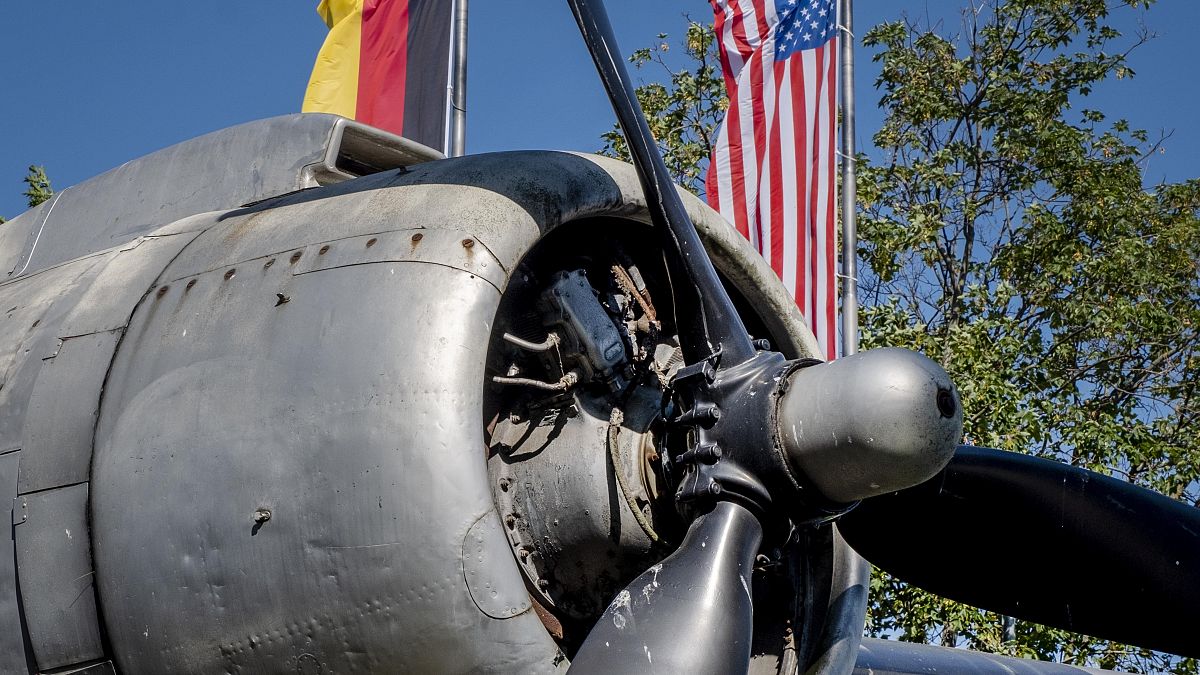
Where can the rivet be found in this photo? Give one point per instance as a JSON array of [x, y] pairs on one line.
[[296, 257], [189, 285], [268, 263], [324, 250], [468, 243], [417, 237], [163, 291], [371, 242], [262, 515], [229, 274], [35, 323]]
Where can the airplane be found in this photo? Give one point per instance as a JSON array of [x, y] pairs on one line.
[[302, 396]]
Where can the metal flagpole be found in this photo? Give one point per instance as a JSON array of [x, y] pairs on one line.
[[856, 570], [458, 96], [849, 191]]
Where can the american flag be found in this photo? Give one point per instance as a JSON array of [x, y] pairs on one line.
[[772, 169]]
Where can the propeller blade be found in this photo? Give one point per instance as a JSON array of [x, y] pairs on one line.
[[718, 324], [691, 613], [1045, 542]]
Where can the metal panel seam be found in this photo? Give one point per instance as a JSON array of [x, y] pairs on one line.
[[37, 237], [35, 273], [400, 262], [55, 487], [100, 614], [359, 235]]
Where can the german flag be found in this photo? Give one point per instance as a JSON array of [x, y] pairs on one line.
[[386, 63]]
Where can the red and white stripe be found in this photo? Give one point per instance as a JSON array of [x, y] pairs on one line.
[[772, 169]]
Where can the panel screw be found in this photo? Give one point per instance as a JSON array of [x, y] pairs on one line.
[[468, 243]]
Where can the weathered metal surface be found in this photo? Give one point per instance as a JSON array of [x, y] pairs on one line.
[[34, 306], [568, 520], [870, 423], [57, 441], [690, 613], [126, 277], [56, 580], [498, 595], [436, 246], [351, 412], [221, 170], [551, 188], [18, 235], [13, 658], [62, 407], [101, 668]]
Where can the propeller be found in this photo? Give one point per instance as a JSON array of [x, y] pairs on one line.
[[705, 305], [1043, 541], [774, 444], [741, 484]]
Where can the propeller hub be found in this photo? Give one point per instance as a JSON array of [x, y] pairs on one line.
[[869, 424]]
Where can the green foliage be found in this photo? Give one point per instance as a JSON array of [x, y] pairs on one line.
[[1009, 235], [39, 189], [683, 113], [39, 186]]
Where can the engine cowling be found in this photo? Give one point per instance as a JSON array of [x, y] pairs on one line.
[[261, 434]]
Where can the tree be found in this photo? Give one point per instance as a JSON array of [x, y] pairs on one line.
[[39, 187], [1009, 235], [683, 113]]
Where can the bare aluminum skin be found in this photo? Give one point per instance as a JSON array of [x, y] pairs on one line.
[[231, 167], [218, 379]]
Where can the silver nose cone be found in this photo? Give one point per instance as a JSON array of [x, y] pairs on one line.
[[876, 422]]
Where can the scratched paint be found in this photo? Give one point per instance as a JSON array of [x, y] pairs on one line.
[[619, 603]]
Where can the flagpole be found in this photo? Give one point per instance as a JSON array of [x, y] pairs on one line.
[[849, 189], [458, 96]]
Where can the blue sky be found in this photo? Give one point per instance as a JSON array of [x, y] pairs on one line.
[[89, 85]]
